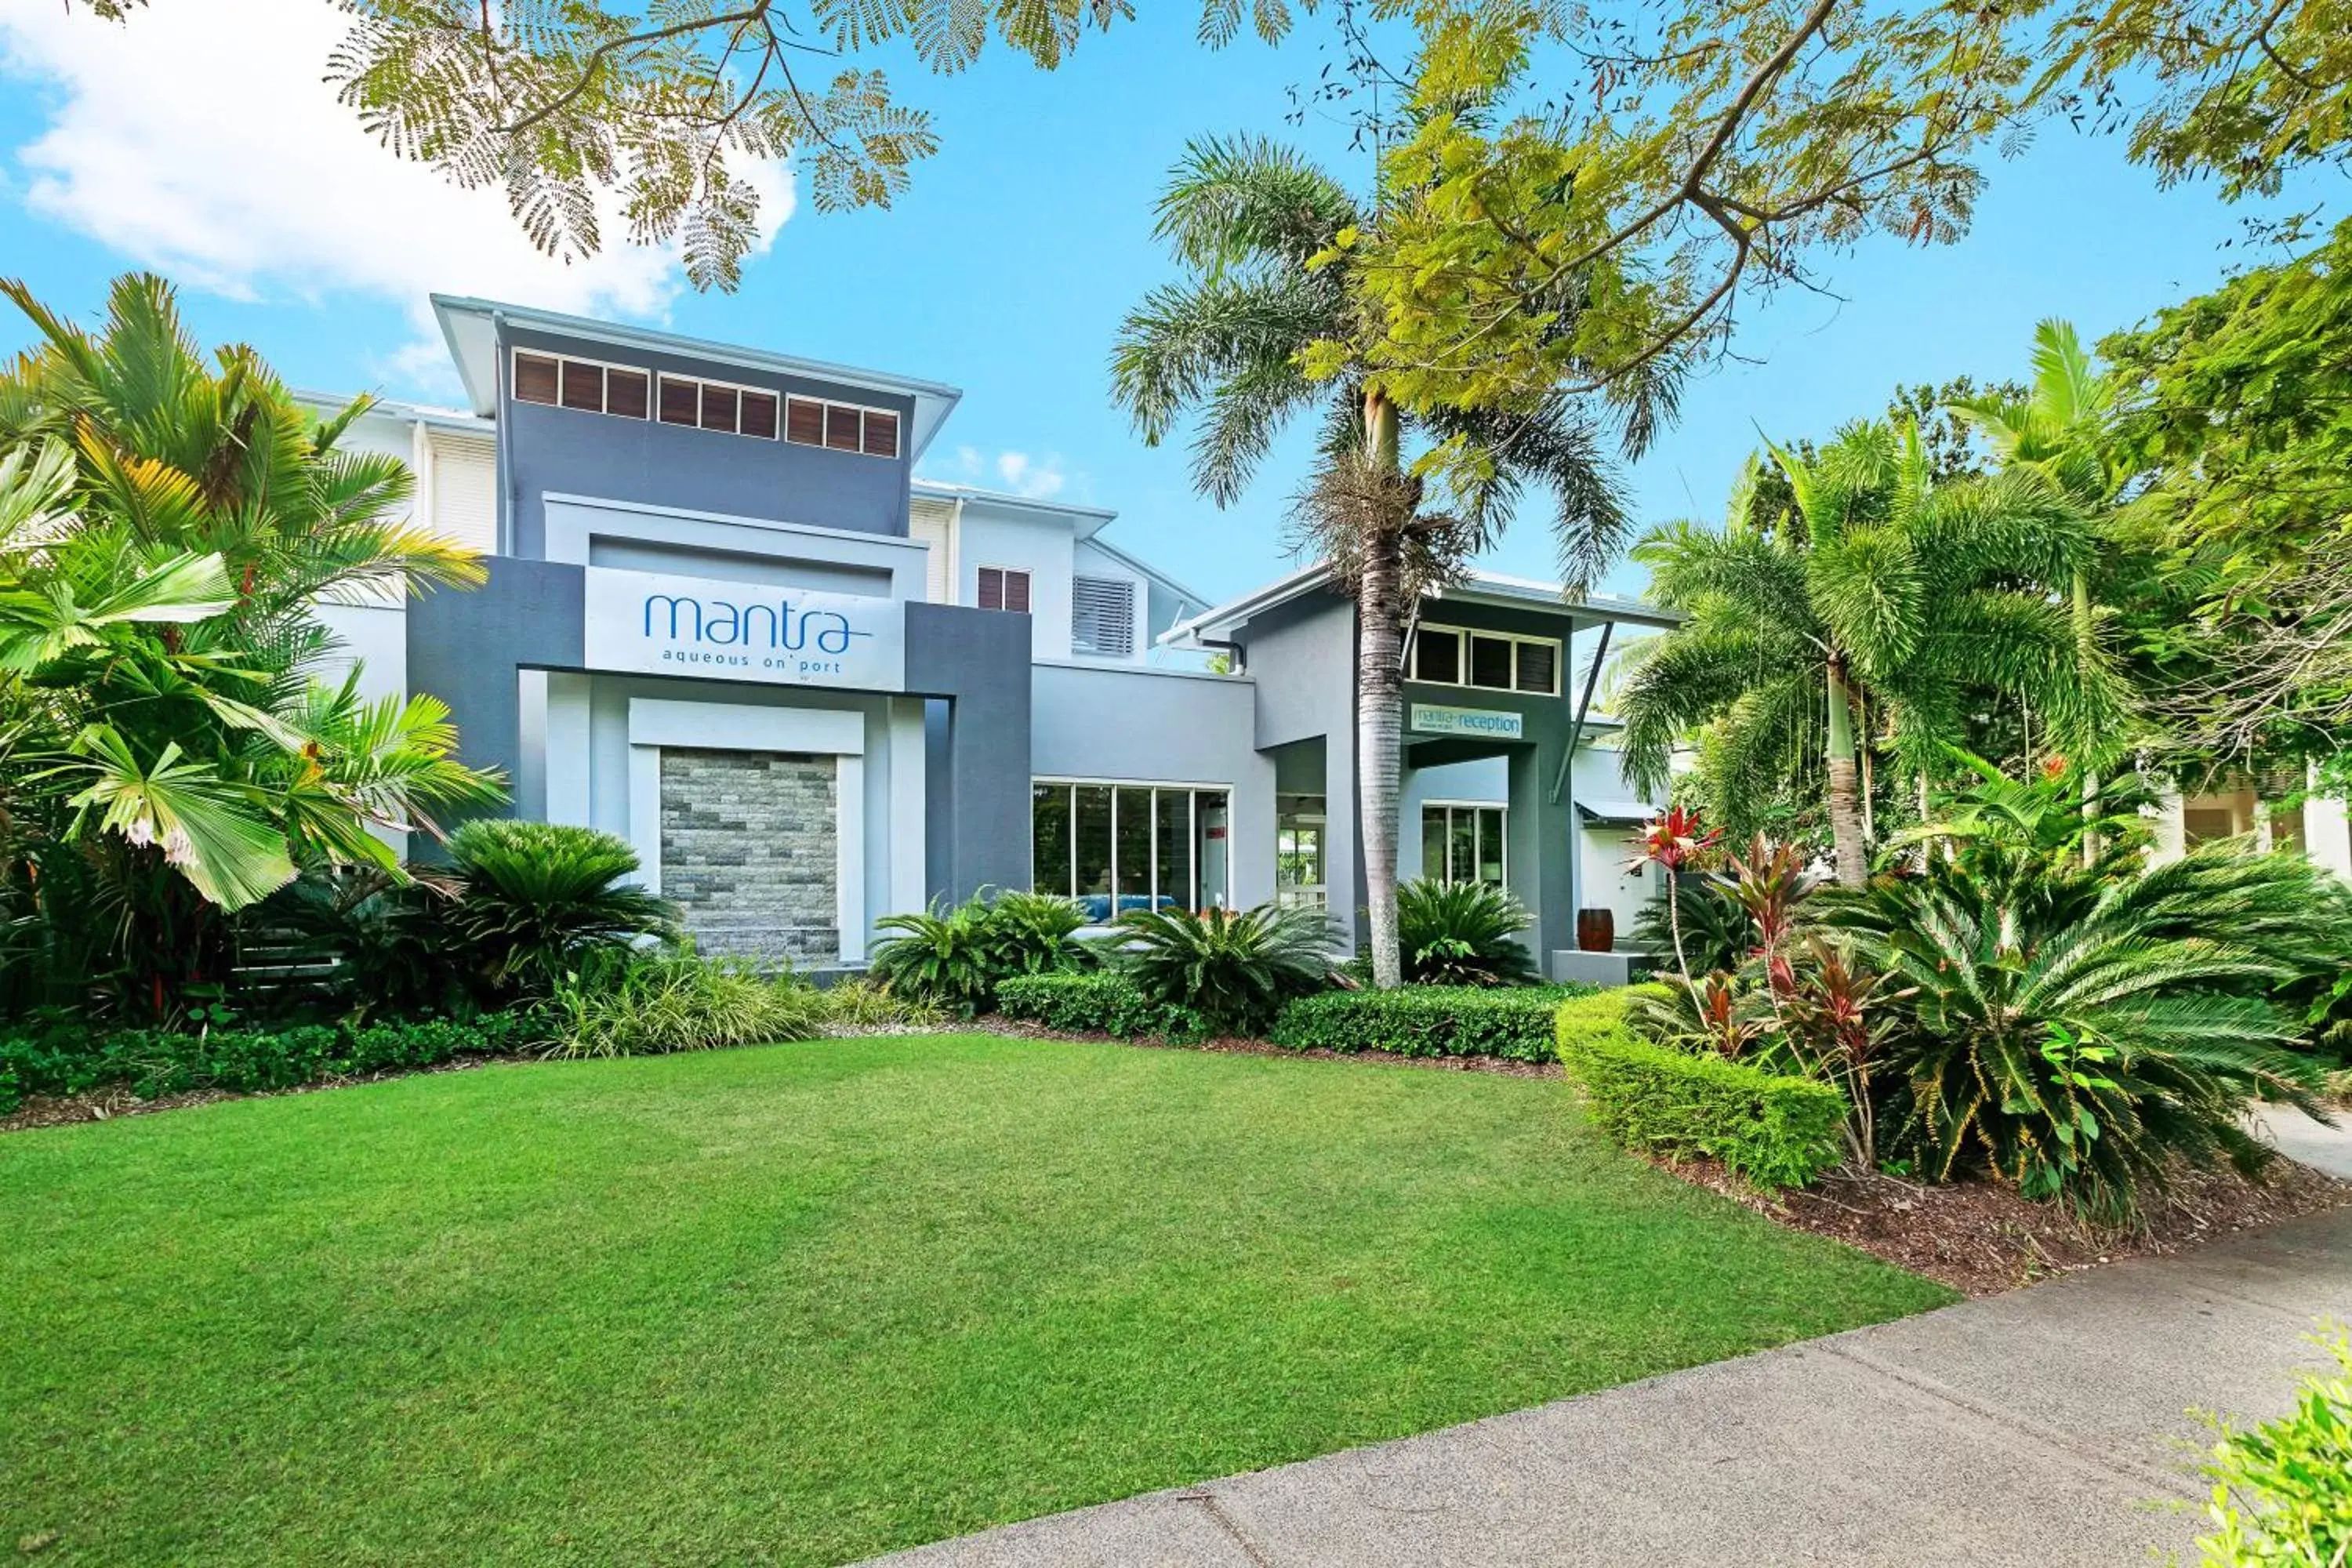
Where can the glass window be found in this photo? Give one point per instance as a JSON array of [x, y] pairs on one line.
[[1538, 667], [1172, 840], [1437, 655], [1092, 815], [1134, 861], [1490, 663], [1462, 846], [1433, 842], [1490, 845], [1212, 847], [1049, 832]]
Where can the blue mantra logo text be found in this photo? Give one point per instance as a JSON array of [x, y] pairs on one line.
[[778, 626]]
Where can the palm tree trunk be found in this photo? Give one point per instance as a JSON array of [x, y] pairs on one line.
[[1845, 816], [1380, 704], [2092, 845]]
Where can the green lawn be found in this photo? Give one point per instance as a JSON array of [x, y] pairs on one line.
[[804, 1303]]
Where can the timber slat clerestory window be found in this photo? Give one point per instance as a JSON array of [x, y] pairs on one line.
[[590, 386]]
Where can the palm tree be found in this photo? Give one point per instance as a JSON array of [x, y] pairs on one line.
[[1261, 330], [2063, 428], [1875, 581], [159, 637]]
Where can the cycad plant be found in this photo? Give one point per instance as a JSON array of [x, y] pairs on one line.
[[1868, 584], [1261, 330], [534, 898], [954, 957], [170, 526], [1463, 933], [1233, 967], [2074, 1033]]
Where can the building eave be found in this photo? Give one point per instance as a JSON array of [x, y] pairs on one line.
[[1481, 588]]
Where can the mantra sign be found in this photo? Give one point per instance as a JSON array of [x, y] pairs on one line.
[[661, 624], [1493, 723]]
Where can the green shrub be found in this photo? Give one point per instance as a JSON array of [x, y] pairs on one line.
[[532, 896], [153, 1062], [1105, 1002], [1599, 1013], [1514, 1023], [2075, 1032], [1233, 967], [1461, 933], [2283, 1492], [1776, 1131], [650, 1005], [862, 1004], [955, 957]]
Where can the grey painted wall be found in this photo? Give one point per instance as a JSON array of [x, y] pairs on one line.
[[470, 647], [1301, 659], [1117, 723], [567, 451], [977, 742]]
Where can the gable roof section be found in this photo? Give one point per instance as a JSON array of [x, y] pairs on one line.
[[1480, 587]]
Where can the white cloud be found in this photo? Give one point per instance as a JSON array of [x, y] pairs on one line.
[[1039, 478], [198, 139]]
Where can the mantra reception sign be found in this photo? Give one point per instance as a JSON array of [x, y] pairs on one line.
[[1493, 723], [659, 625]]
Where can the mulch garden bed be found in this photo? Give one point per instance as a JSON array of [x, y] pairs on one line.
[[1982, 1238]]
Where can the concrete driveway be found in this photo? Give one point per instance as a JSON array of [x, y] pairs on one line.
[[2046, 1426]]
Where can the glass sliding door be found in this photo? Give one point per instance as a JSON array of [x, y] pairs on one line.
[[1131, 843], [1049, 835], [1121, 846], [1171, 845], [1464, 842]]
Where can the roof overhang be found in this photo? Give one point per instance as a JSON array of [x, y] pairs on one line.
[[470, 326], [1479, 588], [1085, 522], [1616, 813]]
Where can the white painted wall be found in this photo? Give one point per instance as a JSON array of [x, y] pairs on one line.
[[1038, 544]]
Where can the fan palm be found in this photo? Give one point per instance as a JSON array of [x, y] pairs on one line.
[[1876, 582], [1261, 329], [169, 527]]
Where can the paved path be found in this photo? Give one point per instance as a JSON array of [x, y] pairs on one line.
[[2043, 1427]]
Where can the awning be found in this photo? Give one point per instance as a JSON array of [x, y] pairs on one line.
[[1617, 813]]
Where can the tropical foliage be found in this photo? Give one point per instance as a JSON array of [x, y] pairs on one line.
[[1463, 933], [956, 957], [1261, 330], [1873, 603], [174, 739], [2282, 1490], [533, 898], [1233, 967], [634, 1005]]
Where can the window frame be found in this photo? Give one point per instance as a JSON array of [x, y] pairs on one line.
[[1502, 809], [1134, 630], [1028, 592], [605, 367], [1463, 635], [1070, 783]]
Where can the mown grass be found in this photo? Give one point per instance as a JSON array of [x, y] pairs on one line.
[[803, 1303]]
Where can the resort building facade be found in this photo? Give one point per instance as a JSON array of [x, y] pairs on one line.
[[724, 621]]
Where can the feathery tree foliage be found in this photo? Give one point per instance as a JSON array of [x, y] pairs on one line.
[[1253, 225], [168, 751], [1876, 588]]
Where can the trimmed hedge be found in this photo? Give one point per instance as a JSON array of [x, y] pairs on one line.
[[1776, 1131], [1514, 1022], [155, 1062], [1102, 1003]]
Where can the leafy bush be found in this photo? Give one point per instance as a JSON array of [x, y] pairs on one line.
[[531, 896], [1774, 1129], [360, 939], [2072, 1031], [152, 1062], [1461, 933], [2283, 1492], [1716, 932], [1106, 1003], [955, 957], [1514, 1023], [863, 1004], [1234, 967], [653, 1004]]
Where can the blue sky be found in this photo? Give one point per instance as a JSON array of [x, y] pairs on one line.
[[199, 141]]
